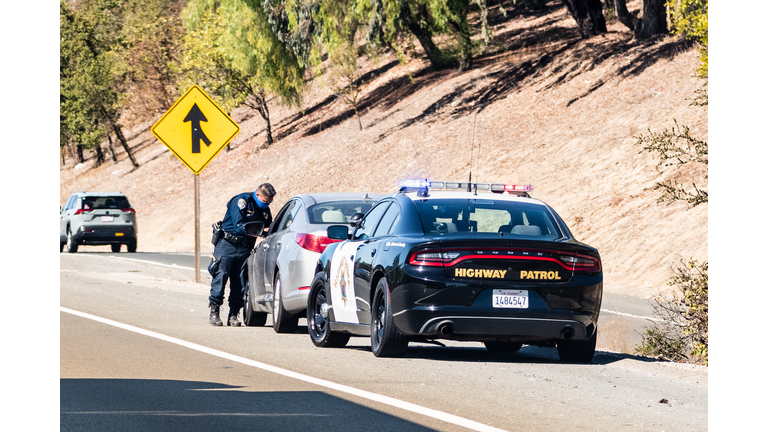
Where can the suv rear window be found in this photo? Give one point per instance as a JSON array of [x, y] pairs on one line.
[[105, 202], [486, 216], [337, 212]]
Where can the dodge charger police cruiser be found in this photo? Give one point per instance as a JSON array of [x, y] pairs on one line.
[[470, 262]]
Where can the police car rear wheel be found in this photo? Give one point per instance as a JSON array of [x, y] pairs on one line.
[[115, 247], [319, 325], [283, 321], [386, 341], [571, 351], [503, 347], [131, 246]]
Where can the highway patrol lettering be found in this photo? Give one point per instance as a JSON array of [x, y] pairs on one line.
[[480, 273], [551, 275]]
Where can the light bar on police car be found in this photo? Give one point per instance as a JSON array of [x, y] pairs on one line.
[[494, 187]]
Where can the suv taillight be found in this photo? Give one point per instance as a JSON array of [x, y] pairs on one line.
[[128, 210], [314, 243], [81, 211]]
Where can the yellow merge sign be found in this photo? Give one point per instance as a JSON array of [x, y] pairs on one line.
[[195, 129]]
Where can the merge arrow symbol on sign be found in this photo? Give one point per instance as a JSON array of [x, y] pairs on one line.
[[195, 116]]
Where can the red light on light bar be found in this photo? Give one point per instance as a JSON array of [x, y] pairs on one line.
[[518, 187]]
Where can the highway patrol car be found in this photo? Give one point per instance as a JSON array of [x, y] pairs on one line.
[[499, 268]]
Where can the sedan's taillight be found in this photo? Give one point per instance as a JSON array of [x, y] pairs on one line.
[[128, 210], [314, 243]]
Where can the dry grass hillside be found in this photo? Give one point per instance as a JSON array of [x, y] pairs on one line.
[[548, 108]]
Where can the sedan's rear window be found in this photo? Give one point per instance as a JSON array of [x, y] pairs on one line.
[[486, 216], [337, 212], [105, 202]]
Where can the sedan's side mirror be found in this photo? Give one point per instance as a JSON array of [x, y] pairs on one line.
[[337, 232], [254, 229], [355, 219]]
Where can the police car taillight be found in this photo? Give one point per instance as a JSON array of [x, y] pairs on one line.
[[432, 257], [581, 262], [314, 243]]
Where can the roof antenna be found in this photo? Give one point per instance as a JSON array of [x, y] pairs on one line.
[[471, 155]]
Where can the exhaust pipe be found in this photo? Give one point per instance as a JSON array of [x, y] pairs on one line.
[[566, 333], [446, 328]]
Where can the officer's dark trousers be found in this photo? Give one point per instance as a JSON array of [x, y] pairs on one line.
[[229, 264]]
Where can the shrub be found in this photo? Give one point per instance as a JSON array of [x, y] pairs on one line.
[[682, 332]]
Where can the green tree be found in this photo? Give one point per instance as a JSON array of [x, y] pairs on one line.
[[89, 74], [690, 19], [231, 51]]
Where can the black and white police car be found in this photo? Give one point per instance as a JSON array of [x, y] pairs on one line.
[[499, 268]]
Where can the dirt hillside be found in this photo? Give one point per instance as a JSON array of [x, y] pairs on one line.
[[547, 108]]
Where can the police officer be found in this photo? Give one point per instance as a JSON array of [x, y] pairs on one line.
[[231, 252]]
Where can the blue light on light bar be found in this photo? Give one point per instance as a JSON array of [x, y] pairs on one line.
[[413, 183]]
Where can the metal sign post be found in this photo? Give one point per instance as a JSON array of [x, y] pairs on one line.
[[197, 228], [192, 121]]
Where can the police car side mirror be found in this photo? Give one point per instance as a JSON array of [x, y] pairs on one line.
[[355, 219], [254, 229], [337, 232]]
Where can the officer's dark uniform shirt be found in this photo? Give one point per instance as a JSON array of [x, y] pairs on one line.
[[241, 209]]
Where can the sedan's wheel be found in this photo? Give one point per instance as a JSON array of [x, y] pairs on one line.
[[61, 247], [115, 247], [386, 341], [71, 243], [251, 318], [503, 347], [282, 320], [571, 351], [318, 322]]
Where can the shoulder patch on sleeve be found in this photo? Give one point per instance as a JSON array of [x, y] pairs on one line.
[[241, 203]]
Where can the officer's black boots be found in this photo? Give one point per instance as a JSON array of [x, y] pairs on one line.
[[232, 319], [215, 320]]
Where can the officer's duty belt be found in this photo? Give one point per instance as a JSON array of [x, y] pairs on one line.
[[235, 240]]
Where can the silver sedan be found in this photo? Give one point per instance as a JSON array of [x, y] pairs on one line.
[[281, 266]]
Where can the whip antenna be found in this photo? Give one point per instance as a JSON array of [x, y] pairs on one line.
[[471, 153]]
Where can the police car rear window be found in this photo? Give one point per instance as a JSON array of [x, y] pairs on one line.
[[446, 217], [96, 203], [337, 212]]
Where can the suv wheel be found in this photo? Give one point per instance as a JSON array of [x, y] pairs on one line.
[[71, 243]]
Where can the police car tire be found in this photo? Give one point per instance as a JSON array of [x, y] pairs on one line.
[[71, 243], [61, 247], [282, 320], [251, 318], [115, 247], [572, 351], [503, 347], [131, 246], [318, 327], [386, 340]]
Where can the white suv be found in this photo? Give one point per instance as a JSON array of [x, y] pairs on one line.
[[98, 218]]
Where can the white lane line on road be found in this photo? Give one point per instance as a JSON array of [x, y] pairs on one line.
[[407, 406], [176, 266], [630, 315]]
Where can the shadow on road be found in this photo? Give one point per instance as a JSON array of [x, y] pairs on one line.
[[169, 405]]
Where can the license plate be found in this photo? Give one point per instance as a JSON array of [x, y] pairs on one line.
[[510, 299], [107, 218]]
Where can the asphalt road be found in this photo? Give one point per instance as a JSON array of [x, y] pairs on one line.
[[137, 353]]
